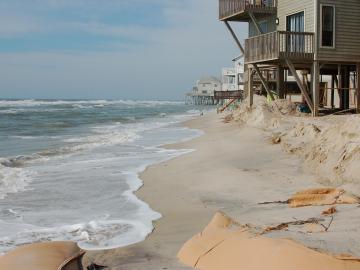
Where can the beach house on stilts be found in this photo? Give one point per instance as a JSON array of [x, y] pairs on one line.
[[204, 91], [300, 42]]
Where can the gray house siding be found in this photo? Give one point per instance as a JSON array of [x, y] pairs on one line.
[[288, 7], [347, 32]]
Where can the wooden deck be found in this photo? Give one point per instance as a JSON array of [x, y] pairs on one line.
[[219, 95], [237, 10], [278, 45]]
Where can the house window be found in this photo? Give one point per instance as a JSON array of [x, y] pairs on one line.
[[327, 26], [295, 23]]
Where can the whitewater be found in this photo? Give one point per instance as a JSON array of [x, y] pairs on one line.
[[69, 168]]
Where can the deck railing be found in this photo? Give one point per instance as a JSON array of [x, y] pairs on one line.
[[269, 75], [228, 8], [278, 45], [228, 94]]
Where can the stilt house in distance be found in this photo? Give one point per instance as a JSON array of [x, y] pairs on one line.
[[304, 40], [204, 91]]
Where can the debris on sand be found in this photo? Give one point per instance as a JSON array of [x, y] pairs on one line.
[[319, 197], [330, 211], [322, 196]]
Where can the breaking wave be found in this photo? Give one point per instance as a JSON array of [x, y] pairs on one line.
[[80, 103], [12, 179]]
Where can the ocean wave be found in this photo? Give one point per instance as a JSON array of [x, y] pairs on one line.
[[106, 136], [100, 135], [29, 137], [13, 180], [77, 103], [17, 162], [93, 235], [29, 109], [102, 232], [9, 214], [103, 137], [194, 111], [11, 111]]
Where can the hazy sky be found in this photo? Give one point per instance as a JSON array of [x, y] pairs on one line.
[[110, 49]]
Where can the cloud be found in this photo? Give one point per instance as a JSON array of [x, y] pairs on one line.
[[14, 26], [162, 63]]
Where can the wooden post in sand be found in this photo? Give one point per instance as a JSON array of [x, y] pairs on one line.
[[315, 88], [340, 87], [280, 82], [332, 91], [250, 87]]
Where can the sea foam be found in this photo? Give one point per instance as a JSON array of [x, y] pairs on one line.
[[79, 179], [13, 179]]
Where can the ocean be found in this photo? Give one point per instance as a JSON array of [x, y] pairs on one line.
[[69, 169]]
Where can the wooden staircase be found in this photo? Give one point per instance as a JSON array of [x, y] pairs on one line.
[[221, 110]]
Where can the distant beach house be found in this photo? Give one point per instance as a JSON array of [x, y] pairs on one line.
[[233, 78], [203, 92], [299, 43], [208, 85]]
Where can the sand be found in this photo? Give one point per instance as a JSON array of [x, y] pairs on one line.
[[329, 146], [234, 167]]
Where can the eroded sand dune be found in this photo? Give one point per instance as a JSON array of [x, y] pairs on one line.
[[330, 146]]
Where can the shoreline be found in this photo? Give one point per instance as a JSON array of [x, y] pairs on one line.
[[104, 226], [233, 169], [129, 255]]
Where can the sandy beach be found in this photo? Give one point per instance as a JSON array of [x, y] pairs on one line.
[[158, 135], [234, 167]]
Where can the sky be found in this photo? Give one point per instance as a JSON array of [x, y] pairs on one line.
[[110, 49]]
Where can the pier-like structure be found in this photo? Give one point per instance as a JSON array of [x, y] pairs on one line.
[[200, 99]]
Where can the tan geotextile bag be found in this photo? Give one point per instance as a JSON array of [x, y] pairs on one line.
[[44, 256]]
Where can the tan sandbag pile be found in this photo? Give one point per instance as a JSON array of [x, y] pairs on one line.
[[322, 196], [42, 256], [225, 245]]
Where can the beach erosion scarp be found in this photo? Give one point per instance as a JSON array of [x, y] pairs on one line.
[[236, 167]]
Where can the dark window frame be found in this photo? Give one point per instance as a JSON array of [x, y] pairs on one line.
[[328, 41], [296, 20]]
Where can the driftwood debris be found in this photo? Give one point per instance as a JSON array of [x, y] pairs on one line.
[[285, 225], [318, 197], [330, 211], [328, 226], [275, 202]]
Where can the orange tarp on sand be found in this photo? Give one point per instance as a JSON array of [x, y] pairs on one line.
[[42, 256], [226, 245]]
